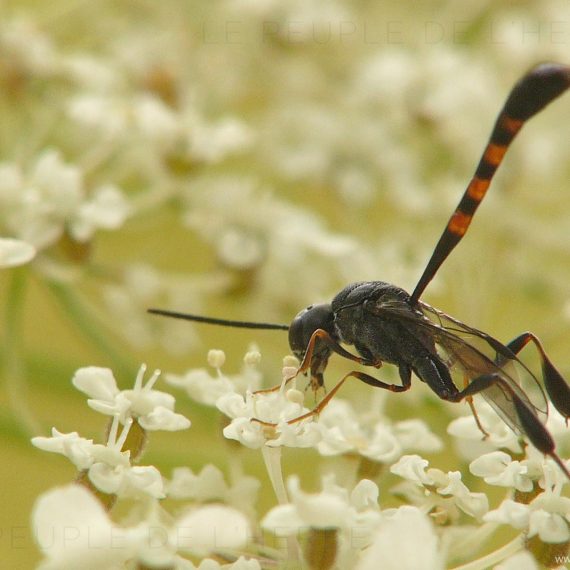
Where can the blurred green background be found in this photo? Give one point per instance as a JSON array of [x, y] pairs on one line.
[[317, 143]]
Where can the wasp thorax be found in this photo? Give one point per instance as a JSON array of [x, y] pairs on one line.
[[306, 323]]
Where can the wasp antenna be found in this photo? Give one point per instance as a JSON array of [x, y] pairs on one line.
[[220, 322], [540, 86]]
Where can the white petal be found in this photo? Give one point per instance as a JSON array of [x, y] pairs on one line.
[[365, 495], [474, 504], [334, 442], [209, 485], [390, 549], [327, 509], [510, 512], [142, 479], [498, 468], [211, 527], [283, 521], [202, 387], [232, 405], [163, 418], [384, 446], [413, 468], [246, 432], [106, 478], [550, 527], [77, 449], [109, 408], [244, 564], [98, 383], [107, 209], [15, 252], [73, 531], [415, 435], [297, 435]]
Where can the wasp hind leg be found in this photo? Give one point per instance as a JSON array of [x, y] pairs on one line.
[[555, 384], [528, 422]]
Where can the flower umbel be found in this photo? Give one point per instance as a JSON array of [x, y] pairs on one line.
[[108, 468], [153, 410]]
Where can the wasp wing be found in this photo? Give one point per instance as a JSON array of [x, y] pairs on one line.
[[470, 353]]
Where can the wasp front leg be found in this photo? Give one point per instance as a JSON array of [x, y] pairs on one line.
[[316, 357]]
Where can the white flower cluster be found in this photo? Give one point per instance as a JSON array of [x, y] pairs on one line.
[[272, 151], [73, 530], [108, 467], [222, 516], [71, 525], [39, 205]]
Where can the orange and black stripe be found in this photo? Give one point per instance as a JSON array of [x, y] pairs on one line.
[[531, 94]]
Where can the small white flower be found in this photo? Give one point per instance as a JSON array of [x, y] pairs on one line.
[[40, 204], [413, 468], [77, 449], [443, 490], [138, 118], [155, 120], [391, 550], [546, 516], [209, 486], [98, 111], [498, 468], [370, 436], [510, 512], [272, 408], [107, 208], [212, 142], [14, 252], [205, 388], [474, 504], [73, 531], [28, 47], [154, 410], [108, 468], [355, 514], [201, 386]]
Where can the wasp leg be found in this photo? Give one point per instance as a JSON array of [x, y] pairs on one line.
[[316, 363], [533, 428], [555, 384], [405, 375], [334, 346], [469, 400]]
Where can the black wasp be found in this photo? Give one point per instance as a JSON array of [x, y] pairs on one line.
[[386, 324]]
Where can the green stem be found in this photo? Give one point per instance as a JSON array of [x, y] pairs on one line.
[[493, 558], [13, 365], [272, 459], [90, 325]]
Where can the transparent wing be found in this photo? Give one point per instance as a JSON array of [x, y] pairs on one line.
[[470, 353]]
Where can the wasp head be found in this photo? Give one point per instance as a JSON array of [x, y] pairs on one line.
[[301, 330]]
